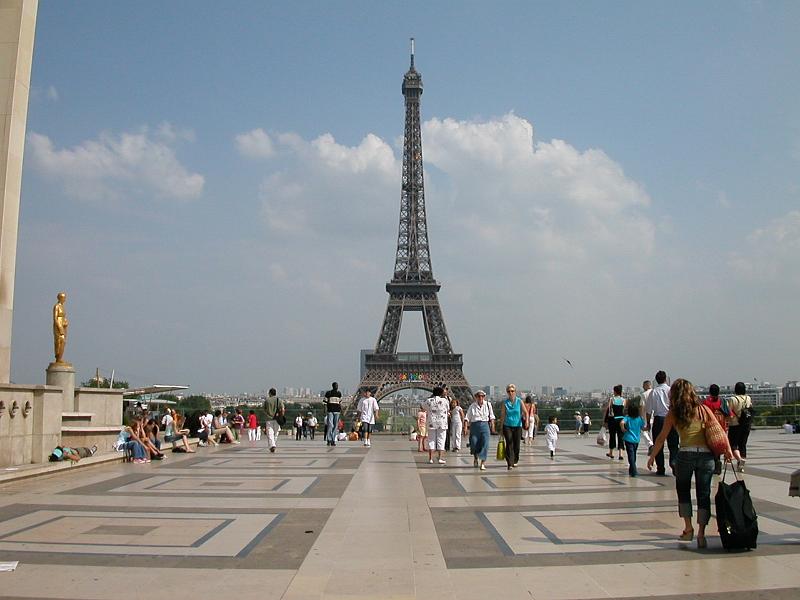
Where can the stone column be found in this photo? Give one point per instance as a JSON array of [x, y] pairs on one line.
[[17, 28], [63, 375]]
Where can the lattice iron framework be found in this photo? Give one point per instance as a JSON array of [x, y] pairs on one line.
[[413, 287]]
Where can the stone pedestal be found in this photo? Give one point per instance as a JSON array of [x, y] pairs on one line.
[[63, 376]]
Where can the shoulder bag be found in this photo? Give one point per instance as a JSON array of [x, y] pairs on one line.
[[716, 439]]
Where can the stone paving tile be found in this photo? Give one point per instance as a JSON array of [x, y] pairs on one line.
[[350, 522]]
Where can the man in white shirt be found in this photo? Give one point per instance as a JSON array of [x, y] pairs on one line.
[[367, 412], [657, 407], [312, 426], [647, 389]]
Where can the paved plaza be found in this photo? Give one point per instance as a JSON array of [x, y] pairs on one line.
[[316, 522]]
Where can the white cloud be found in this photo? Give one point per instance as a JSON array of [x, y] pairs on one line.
[[329, 188], [561, 207], [255, 144], [771, 253], [111, 166], [560, 204]]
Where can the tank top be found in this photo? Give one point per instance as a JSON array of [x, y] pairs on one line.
[[513, 413], [618, 407], [692, 435]]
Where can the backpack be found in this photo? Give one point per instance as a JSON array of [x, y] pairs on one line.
[[279, 417], [737, 521], [746, 416], [724, 408]]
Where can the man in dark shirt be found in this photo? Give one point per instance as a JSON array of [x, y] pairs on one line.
[[333, 402]]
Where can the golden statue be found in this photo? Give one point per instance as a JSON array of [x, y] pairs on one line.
[[60, 324]]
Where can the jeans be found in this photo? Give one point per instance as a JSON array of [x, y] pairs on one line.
[[331, 427], [672, 444], [479, 439], [701, 464], [136, 450], [630, 450], [513, 436]]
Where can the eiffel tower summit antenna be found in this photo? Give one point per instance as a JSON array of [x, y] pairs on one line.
[[413, 287]]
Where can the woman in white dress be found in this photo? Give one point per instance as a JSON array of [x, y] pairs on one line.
[[456, 425]]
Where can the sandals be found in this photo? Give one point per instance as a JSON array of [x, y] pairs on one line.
[[609, 455], [688, 535]]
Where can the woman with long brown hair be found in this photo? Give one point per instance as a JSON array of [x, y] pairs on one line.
[[687, 415]]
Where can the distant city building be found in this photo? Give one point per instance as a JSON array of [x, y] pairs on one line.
[[547, 390], [790, 393]]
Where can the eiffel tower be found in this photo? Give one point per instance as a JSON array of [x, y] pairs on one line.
[[413, 287]]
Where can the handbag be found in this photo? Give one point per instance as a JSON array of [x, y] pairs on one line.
[[501, 449], [716, 440]]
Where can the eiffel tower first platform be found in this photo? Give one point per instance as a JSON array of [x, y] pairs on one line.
[[413, 287]]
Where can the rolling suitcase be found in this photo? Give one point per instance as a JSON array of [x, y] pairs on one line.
[[736, 518]]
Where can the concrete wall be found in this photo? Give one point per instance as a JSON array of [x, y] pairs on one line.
[[105, 404], [29, 438], [17, 29]]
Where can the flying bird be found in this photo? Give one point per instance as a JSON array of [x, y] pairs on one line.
[[566, 360]]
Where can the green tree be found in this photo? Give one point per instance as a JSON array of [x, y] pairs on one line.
[[105, 383], [194, 402]]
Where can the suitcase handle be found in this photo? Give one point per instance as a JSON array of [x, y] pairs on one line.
[[725, 471]]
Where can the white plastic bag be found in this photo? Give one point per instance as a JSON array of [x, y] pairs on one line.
[[602, 437]]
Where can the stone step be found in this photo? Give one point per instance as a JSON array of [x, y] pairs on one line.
[[77, 418]]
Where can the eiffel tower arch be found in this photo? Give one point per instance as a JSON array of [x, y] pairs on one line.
[[413, 287]]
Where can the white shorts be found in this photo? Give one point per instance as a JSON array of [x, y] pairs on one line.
[[436, 438]]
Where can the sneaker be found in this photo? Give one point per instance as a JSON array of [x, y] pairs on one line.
[[139, 461], [516, 464], [430, 460], [93, 449], [475, 462], [442, 461], [272, 449], [483, 467], [202, 443]]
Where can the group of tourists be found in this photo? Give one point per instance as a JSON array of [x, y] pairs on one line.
[[686, 424], [305, 427], [441, 421]]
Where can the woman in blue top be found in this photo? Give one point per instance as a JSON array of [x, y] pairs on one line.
[[615, 411], [512, 418]]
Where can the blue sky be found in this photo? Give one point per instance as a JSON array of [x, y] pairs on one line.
[[216, 186]]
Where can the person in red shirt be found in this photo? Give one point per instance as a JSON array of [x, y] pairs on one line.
[[253, 432], [714, 402]]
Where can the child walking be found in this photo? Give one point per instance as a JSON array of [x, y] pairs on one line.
[[551, 434], [252, 427], [632, 430]]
